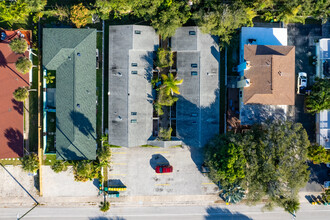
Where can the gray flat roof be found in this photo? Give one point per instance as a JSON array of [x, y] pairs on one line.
[[199, 101], [71, 52], [130, 94]]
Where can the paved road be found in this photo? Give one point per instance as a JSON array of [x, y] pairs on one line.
[[240, 212]]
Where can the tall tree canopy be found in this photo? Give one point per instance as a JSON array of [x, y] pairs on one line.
[[80, 15], [165, 15], [14, 11], [118, 7], [267, 160], [223, 20], [320, 96]]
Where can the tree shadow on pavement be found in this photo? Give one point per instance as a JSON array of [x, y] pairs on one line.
[[215, 213]]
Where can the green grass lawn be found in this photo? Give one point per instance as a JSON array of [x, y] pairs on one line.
[[50, 159], [33, 110], [10, 162]]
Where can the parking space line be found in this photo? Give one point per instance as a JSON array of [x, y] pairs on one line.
[[116, 174], [161, 152], [207, 183], [162, 184], [118, 163], [120, 152]]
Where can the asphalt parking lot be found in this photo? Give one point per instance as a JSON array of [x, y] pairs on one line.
[[302, 37], [135, 168]]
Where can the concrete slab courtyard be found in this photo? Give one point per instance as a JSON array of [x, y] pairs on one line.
[[63, 185], [135, 168], [15, 183]]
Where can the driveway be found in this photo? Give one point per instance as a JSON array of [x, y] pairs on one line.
[[319, 174], [15, 184], [135, 168], [302, 37]]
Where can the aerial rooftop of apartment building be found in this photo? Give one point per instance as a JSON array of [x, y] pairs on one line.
[[131, 57], [71, 52], [267, 84]]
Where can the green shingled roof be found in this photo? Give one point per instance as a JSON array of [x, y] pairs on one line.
[[71, 52]]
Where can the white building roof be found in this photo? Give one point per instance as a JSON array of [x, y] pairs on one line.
[[323, 137]]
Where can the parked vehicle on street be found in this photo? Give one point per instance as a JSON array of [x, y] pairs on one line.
[[302, 83], [164, 169]]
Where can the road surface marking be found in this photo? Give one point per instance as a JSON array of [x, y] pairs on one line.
[[161, 152], [119, 163], [207, 183], [162, 184]]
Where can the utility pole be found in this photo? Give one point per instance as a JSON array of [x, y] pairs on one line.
[[40, 112]]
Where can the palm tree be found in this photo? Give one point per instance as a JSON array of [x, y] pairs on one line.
[[105, 206], [18, 45], [23, 65], [49, 78], [30, 163], [20, 94], [59, 166], [171, 84], [104, 154], [232, 194]]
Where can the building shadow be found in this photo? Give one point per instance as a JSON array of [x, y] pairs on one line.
[[18, 106], [116, 183], [257, 114], [82, 123], [216, 213], [158, 159], [318, 173], [15, 140]]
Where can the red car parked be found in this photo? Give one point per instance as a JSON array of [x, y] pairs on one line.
[[164, 169]]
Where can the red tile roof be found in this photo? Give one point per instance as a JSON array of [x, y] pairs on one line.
[[11, 111]]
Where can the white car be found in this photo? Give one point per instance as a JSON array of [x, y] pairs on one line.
[[302, 82]]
